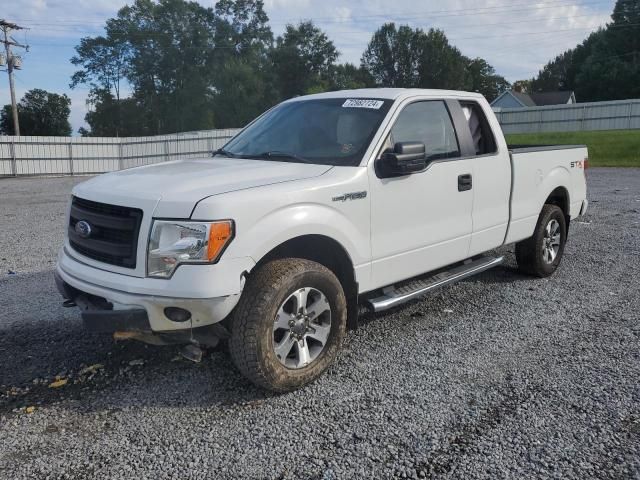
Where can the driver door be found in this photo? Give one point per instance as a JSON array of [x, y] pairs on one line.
[[422, 221]]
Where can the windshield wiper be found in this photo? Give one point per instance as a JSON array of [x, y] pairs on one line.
[[275, 154], [223, 152]]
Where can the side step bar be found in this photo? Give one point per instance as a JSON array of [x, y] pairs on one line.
[[393, 296]]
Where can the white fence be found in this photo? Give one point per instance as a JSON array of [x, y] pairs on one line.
[[27, 155], [616, 115]]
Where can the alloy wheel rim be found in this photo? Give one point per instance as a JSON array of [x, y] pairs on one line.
[[551, 241], [301, 328]]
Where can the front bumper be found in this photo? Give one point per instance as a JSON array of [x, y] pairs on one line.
[[128, 297]]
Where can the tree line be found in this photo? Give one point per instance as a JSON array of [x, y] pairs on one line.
[[165, 66], [606, 66], [187, 67]]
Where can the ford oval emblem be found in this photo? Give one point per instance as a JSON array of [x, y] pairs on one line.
[[83, 229]]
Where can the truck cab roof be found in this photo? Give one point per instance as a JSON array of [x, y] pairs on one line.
[[388, 94]]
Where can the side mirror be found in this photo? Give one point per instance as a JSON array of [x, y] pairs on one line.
[[406, 158]]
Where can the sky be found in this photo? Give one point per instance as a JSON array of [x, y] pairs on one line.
[[517, 37]]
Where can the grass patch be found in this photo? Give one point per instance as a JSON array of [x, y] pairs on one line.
[[607, 148]]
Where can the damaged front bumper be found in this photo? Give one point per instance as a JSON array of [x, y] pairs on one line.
[[111, 302], [100, 316]]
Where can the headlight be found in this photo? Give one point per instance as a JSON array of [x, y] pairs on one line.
[[175, 242]]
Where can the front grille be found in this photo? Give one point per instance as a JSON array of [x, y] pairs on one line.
[[114, 232]]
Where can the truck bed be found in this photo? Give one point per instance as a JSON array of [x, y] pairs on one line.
[[536, 170]]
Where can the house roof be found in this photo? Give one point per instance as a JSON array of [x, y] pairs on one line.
[[538, 99], [551, 98], [524, 98]]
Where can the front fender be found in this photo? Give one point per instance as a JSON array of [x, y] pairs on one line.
[[296, 220], [267, 217]]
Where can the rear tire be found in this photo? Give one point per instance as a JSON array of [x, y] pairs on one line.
[[289, 324], [541, 254]]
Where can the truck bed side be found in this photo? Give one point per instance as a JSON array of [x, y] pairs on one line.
[[537, 173]]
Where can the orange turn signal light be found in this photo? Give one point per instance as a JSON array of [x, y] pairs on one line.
[[220, 234]]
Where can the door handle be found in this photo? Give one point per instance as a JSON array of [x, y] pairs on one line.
[[465, 182]]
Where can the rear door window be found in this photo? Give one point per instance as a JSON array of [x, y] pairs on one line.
[[484, 142]]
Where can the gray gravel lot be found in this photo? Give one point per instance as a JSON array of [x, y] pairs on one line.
[[526, 378]]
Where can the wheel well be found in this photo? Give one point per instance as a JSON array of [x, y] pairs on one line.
[[328, 252], [560, 198]]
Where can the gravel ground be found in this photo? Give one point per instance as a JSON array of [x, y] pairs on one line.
[[500, 376]]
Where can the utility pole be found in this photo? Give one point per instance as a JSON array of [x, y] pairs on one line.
[[12, 63]]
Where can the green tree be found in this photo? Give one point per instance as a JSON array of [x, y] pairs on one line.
[[242, 26], [104, 63], [523, 86], [555, 75], [40, 113], [164, 50], [407, 57], [171, 63], [606, 66], [484, 79], [612, 70], [441, 65], [302, 60], [348, 77], [110, 117], [392, 56], [561, 72], [187, 67], [243, 93], [623, 34], [241, 77], [104, 66]]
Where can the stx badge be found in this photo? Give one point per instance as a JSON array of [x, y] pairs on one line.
[[577, 164]]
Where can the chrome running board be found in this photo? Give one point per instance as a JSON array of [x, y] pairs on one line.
[[394, 296]]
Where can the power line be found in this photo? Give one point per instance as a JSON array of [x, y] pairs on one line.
[[473, 11], [342, 32], [507, 8], [150, 35], [13, 62], [467, 12], [432, 14]]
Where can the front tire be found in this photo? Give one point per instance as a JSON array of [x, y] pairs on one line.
[[289, 324], [541, 254]]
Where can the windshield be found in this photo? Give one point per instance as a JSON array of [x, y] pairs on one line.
[[334, 131]]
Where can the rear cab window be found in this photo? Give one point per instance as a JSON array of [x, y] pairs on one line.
[[484, 142]]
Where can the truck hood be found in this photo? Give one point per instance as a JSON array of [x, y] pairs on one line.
[[176, 187]]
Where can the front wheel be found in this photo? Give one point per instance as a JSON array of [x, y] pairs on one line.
[[541, 254], [289, 324]]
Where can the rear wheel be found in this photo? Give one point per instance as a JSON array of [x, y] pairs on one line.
[[289, 324], [541, 254]]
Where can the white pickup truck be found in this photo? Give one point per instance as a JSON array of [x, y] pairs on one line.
[[323, 203]]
